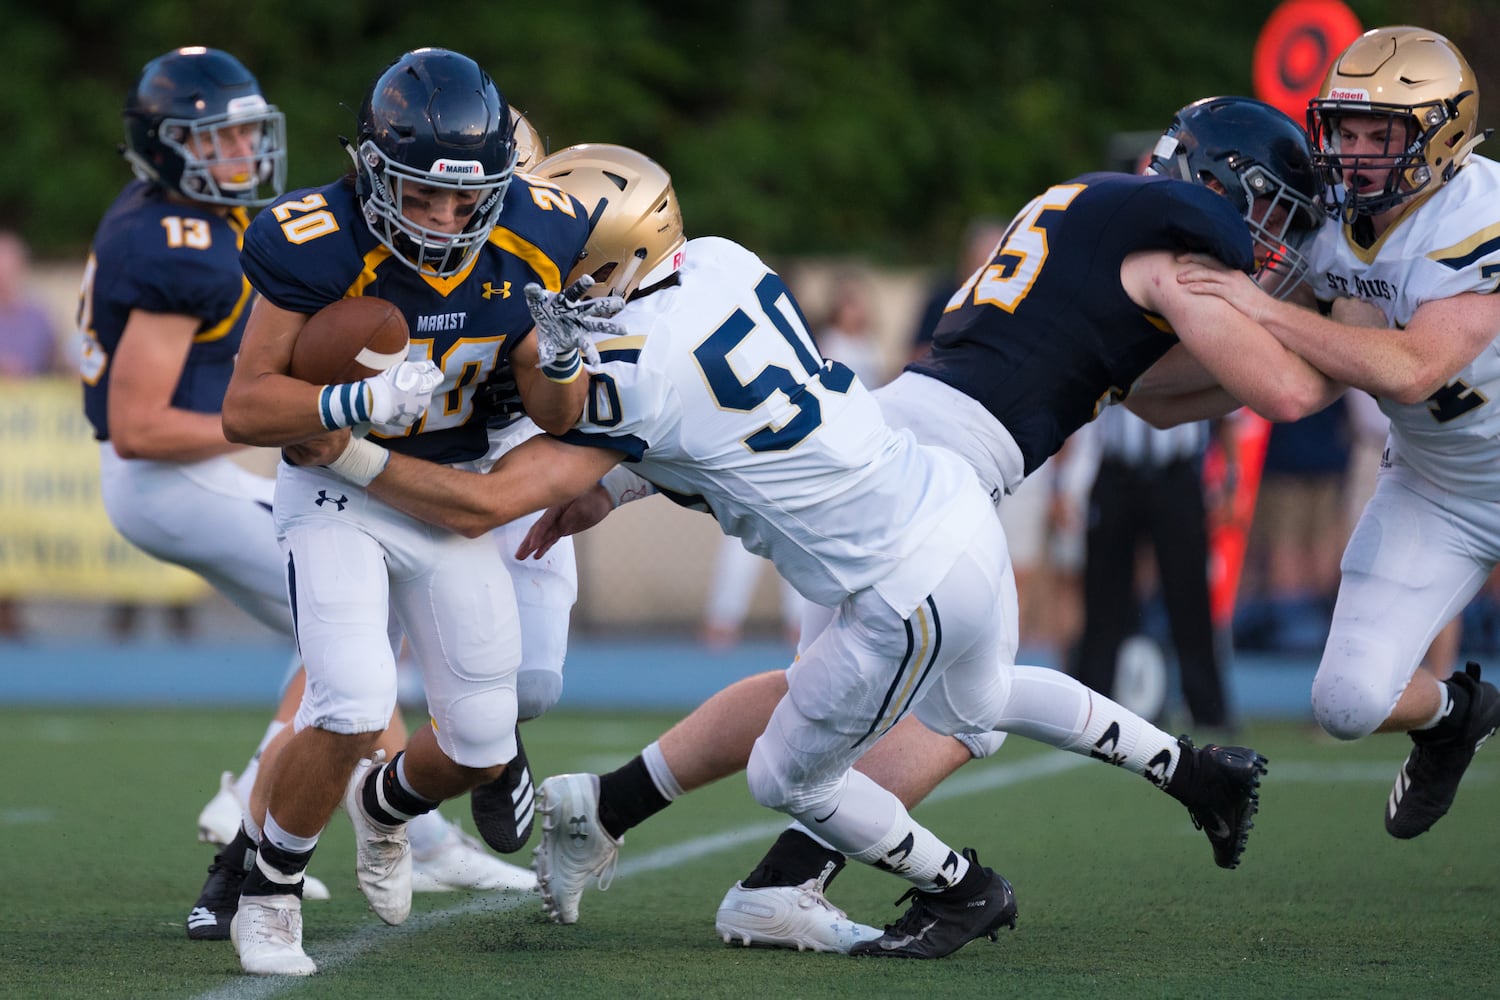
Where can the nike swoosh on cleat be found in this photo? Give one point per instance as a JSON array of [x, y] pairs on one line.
[[908, 939]]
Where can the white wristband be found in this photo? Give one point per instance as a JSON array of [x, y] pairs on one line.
[[623, 486], [362, 460]]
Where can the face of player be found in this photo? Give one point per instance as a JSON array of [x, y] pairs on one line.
[[439, 210], [230, 152], [1367, 147]]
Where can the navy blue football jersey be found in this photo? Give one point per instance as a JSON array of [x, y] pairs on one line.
[[1044, 336], [313, 247], [164, 256]]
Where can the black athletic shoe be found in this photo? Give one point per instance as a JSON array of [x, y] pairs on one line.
[[504, 808], [220, 898], [940, 923], [1429, 778], [1222, 795]]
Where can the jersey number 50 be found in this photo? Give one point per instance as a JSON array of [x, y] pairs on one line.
[[732, 393]]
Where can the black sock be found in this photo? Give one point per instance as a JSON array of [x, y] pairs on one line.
[[240, 852], [1184, 776], [792, 860], [628, 797], [404, 803], [287, 863]]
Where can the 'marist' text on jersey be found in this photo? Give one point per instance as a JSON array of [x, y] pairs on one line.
[[441, 322]]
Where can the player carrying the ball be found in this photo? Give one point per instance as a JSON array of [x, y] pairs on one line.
[[433, 219]]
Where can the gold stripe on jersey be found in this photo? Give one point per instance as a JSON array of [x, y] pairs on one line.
[[633, 342], [1368, 254], [372, 261], [221, 329], [527, 251], [1455, 255], [238, 220]]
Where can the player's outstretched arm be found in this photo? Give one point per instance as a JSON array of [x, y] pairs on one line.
[[1250, 364], [1405, 365]]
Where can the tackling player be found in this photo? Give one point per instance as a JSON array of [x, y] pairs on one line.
[[739, 414]]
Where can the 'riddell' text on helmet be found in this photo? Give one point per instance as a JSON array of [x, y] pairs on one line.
[[1261, 161], [433, 120], [189, 113]]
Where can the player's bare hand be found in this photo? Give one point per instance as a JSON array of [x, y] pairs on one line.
[[578, 514], [318, 450], [1204, 276]]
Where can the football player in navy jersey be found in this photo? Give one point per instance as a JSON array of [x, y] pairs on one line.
[[433, 219], [587, 814], [163, 308]]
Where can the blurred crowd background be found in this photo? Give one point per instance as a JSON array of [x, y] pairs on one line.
[[864, 147]]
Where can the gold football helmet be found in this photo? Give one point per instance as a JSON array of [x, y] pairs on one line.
[[1422, 83], [636, 237], [529, 146]]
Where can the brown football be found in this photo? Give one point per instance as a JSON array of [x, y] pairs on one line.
[[348, 340]]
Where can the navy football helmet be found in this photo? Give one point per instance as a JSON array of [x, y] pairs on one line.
[[1262, 161], [434, 119], [187, 114]]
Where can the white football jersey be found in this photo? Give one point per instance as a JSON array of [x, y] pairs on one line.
[[719, 395], [1447, 245]]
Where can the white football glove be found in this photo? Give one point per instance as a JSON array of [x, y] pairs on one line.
[[390, 402], [566, 325]]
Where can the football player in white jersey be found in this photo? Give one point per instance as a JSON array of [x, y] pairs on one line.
[[719, 399], [1417, 240]]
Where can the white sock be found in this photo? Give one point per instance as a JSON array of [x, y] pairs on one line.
[[429, 832], [869, 824], [246, 780], [1055, 709], [274, 834], [661, 775], [1445, 705]]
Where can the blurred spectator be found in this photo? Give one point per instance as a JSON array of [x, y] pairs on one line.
[[981, 237], [736, 572], [1149, 487], [28, 348], [1298, 535], [848, 337]]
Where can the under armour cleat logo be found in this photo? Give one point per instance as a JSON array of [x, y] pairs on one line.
[[323, 498], [579, 827]]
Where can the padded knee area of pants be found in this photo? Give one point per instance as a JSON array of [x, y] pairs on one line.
[[536, 692], [479, 730], [1350, 704]]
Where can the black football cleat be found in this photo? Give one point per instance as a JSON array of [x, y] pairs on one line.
[[939, 923], [1222, 795], [1428, 780], [220, 897], [503, 809]]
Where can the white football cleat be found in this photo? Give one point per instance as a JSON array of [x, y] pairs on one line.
[[574, 847], [267, 934], [463, 863], [220, 819], [382, 854], [314, 889], [788, 916]]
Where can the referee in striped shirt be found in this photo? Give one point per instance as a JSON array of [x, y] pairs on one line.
[[1150, 486]]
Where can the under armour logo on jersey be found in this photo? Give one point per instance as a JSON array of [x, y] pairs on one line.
[[1108, 746], [323, 498], [503, 291]]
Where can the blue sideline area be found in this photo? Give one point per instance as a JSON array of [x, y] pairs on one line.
[[635, 672]]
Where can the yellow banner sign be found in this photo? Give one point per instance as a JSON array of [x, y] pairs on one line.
[[56, 541]]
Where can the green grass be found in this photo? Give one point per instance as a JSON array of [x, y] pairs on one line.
[[1118, 895]]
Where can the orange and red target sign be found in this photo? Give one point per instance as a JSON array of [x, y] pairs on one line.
[[1296, 48]]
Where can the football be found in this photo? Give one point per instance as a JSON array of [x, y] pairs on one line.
[[348, 340]]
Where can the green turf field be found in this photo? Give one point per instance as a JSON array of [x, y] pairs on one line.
[[1118, 894]]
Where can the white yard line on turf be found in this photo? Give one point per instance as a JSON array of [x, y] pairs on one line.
[[332, 955]]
